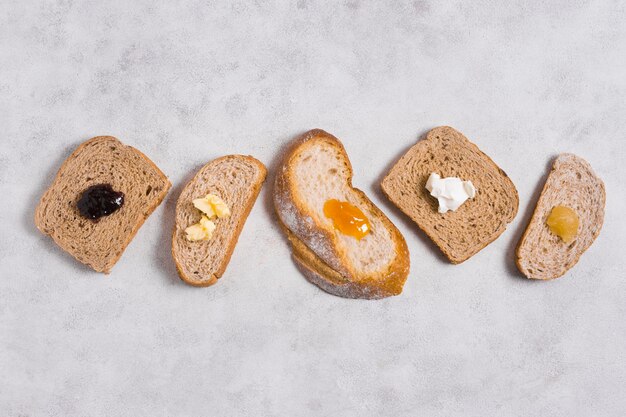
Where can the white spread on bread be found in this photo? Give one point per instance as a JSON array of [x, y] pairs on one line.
[[450, 192], [213, 207]]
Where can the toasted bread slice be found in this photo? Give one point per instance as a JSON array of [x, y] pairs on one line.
[[237, 180], [100, 160], [314, 171], [479, 221], [571, 183]]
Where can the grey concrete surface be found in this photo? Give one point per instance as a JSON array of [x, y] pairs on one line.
[[189, 81]]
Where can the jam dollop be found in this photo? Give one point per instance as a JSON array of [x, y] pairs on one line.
[[347, 218], [98, 201]]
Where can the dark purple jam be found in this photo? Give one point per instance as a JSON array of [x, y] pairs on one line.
[[98, 201]]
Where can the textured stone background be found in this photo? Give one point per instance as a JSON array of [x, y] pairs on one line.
[[188, 82]]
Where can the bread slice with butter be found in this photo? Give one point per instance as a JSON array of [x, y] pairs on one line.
[[571, 183], [234, 179], [478, 221], [100, 160], [314, 171]]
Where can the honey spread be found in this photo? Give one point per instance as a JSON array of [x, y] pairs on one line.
[[563, 222]]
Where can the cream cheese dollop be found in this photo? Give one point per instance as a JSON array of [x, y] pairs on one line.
[[450, 192]]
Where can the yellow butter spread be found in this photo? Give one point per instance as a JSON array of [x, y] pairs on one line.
[[213, 207], [203, 230]]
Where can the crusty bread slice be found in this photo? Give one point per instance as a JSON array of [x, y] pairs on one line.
[[237, 180], [480, 220], [572, 183], [314, 171], [100, 160]]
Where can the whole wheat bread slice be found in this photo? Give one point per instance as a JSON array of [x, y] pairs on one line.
[[479, 221], [237, 180], [100, 160], [315, 170], [571, 183]]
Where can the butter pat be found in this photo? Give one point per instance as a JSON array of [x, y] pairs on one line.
[[212, 206], [200, 231], [450, 192]]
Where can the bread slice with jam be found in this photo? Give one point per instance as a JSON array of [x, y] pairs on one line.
[[98, 236], [368, 265]]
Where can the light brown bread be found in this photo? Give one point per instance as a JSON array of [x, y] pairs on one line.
[[479, 221], [237, 180], [571, 183], [100, 160], [315, 170]]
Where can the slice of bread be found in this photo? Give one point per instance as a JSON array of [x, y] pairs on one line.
[[315, 170], [571, 183], [237, 180], [100, 160], [480, 220]]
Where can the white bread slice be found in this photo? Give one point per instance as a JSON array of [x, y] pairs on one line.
[[100, 160], [237, 180], [572, 183], [314, 171]]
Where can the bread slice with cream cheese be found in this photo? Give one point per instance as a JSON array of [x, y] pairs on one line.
[[478, 221]]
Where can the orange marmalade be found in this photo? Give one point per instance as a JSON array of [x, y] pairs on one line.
[[563, 222], [348, 219]]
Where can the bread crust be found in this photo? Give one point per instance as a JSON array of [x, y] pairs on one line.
[[233, 238], [323, 265], [329, 280], [40, 211], [537, 219], [391, 182]]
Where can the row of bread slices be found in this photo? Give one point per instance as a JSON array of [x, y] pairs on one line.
[[340, 240]]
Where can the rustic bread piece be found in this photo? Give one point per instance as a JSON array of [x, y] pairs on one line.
[[480, 220], [100, 160], [572, 183], [237, 180], [314, 171]]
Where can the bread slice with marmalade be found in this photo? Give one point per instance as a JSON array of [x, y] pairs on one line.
[[235, 179], [572, 183], [100, 160], [317, 169], [462, 233]]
